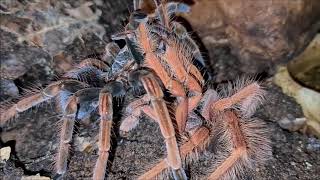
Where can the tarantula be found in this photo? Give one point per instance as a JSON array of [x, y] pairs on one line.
[[157, 60]]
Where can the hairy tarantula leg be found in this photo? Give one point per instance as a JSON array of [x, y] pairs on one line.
[[173, 86], [176, 63], [176, 88], [196, 90], [247, 94], [195, 52], [93, 62], [135, 52], [193, 70], [176, 58], [173, 59], [183, 35], [189, 67], [179, 61], [196, 141], [165, 11], [161, 11], [245, 139], [137, 4], [181, 113], [111, 89], [106, 114], [72, 112], [111, 51], [209, 97], [46, 94], [176, 7], [134, 111], [155, 92], [89, 74], [132, 120], [239, 148], [68, 119], [91, 71]]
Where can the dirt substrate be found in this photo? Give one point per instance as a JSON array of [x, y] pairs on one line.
[[33, 136]]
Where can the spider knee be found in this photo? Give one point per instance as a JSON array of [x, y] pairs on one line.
[[72, 107], [116, 88], [145, 77]]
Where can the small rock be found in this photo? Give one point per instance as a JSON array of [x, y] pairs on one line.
[[36, 177], [292, 124], [5, 153], [8, 88], [313, 144], [309, 165], [83, 144]]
